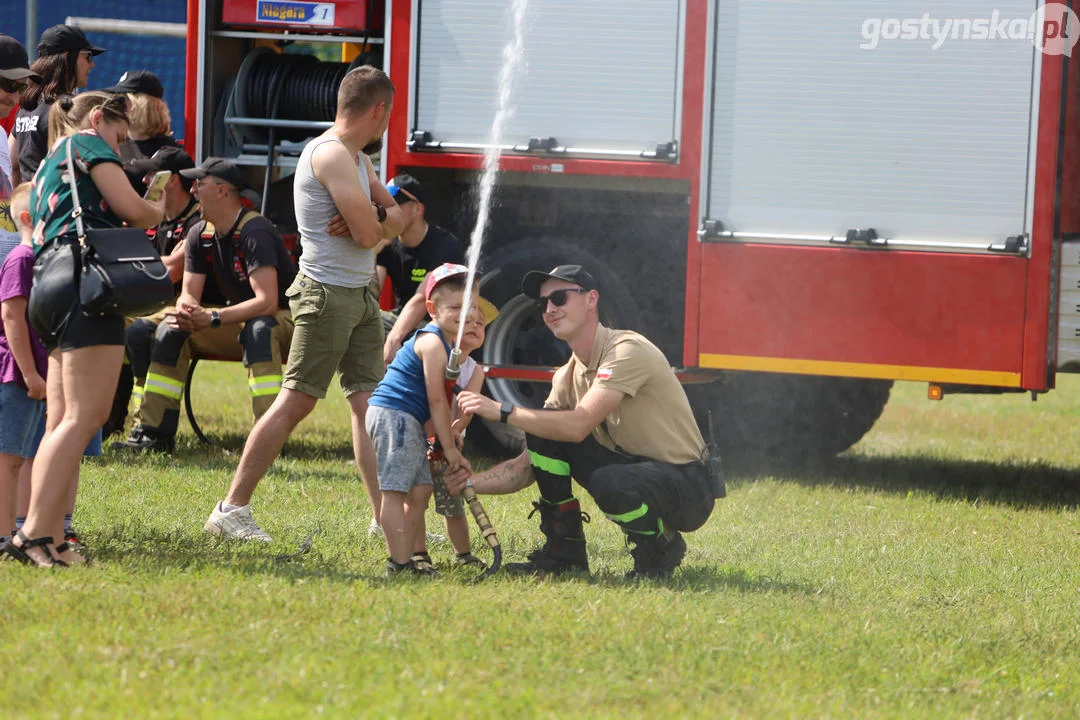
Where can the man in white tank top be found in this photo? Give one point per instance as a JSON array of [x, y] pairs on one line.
[[338, 324]]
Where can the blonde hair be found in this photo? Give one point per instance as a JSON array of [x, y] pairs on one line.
[[20, 200], [70, 113], [148, 116]]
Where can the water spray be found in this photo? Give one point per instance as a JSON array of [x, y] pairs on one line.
[[453, 372], [513, 53]]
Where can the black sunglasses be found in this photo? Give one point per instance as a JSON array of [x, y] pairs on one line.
[[13, 86], [558, 298]]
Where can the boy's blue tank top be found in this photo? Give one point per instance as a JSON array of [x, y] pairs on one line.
[[403, 388]]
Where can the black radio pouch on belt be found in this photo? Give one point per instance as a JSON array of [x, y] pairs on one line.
[[714, 464]]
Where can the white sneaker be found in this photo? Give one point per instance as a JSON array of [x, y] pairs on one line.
[[434, 538], [374, 529], [236, 524]]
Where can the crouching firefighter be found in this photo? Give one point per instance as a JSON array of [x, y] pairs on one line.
[[232, 304], [617, 421]]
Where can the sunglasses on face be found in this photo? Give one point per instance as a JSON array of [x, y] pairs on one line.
[[88, 54], [400, 196], [558, 298], [13, 86]]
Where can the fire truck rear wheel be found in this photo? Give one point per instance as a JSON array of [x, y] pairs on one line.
[[764, 418], [519, 337]]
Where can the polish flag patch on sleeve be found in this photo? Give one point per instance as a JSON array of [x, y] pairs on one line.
[[603, 374]]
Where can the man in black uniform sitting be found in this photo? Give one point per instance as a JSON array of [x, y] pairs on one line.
[[232, 304]]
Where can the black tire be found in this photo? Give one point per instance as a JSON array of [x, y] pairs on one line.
[[764, 418], [518, 336]]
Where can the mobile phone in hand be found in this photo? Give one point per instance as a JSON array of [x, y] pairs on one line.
[[156, 186]]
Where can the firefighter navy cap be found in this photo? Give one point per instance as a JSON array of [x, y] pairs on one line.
[[138, 81], [14, 63], [60, 39], [410, 185], [570, 273], [169, 158], [220, 168]]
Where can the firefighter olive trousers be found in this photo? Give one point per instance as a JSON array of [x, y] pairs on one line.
[[260, 342]]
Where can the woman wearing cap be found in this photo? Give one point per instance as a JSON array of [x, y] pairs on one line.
[[65, 58], [85, 352]]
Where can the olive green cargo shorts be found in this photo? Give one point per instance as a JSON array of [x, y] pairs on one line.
[[337, 328]]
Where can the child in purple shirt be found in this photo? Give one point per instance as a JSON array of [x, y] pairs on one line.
[[23, 362]]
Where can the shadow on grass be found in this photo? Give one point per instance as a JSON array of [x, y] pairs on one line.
[[149, 550], [1034, 485]]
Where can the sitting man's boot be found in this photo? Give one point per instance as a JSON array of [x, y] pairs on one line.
[[656, 556], [564, 549], [146, 439]]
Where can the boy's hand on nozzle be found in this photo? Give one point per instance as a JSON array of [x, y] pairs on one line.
[[456, 461], [35, 386], [456, 480]]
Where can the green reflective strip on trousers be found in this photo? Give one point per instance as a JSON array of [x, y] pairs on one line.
[[265, 385], [549, 465], [166, 386], [629, 516]]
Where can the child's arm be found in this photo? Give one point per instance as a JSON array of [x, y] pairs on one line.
[[430, 349], [13, 312], [462, 420]]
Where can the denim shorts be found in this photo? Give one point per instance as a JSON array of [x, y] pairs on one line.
[[400, 449], [20, 419]]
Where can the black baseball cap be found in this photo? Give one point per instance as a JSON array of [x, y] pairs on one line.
[[221, 168], [169, 158], [64, 38], [14, 63], [410, 185], [138, 81], [570, 273]]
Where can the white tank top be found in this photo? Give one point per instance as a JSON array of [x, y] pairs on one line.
[[324, 258]]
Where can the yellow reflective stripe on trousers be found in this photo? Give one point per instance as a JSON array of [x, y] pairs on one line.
[[629, 516], [549, 465], [166, 386], [265, 385]]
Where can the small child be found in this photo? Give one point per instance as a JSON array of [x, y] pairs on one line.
[[411, 393], [452, 507], [23, 364]]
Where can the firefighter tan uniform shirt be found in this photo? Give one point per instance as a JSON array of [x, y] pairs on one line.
[[654, 419]]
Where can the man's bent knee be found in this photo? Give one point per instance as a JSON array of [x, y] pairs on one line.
[[257, 339]]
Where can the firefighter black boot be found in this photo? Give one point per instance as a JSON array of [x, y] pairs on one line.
[[564, 549], [656, 556]]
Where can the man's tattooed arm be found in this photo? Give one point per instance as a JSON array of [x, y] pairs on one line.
[[503, 479]]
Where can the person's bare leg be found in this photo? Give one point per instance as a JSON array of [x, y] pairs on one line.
[[364, 452], [265, 442], [457, 529], [86, 380], [393, 517], [10, 465], [416, 503]]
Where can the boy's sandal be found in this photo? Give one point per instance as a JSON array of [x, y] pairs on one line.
[[18, 552]]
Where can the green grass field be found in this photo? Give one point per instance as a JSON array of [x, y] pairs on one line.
[[929, 572]]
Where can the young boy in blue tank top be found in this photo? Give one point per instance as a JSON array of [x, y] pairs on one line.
[[411, 393]]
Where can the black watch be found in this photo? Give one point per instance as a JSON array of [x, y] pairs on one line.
[[381, 212], [504, 411], [215, 319]]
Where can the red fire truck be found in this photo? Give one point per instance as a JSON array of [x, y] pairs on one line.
[[800, 204]]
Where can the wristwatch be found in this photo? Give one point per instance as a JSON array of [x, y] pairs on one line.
[[504, 412], [215, 319], [381, 212]]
